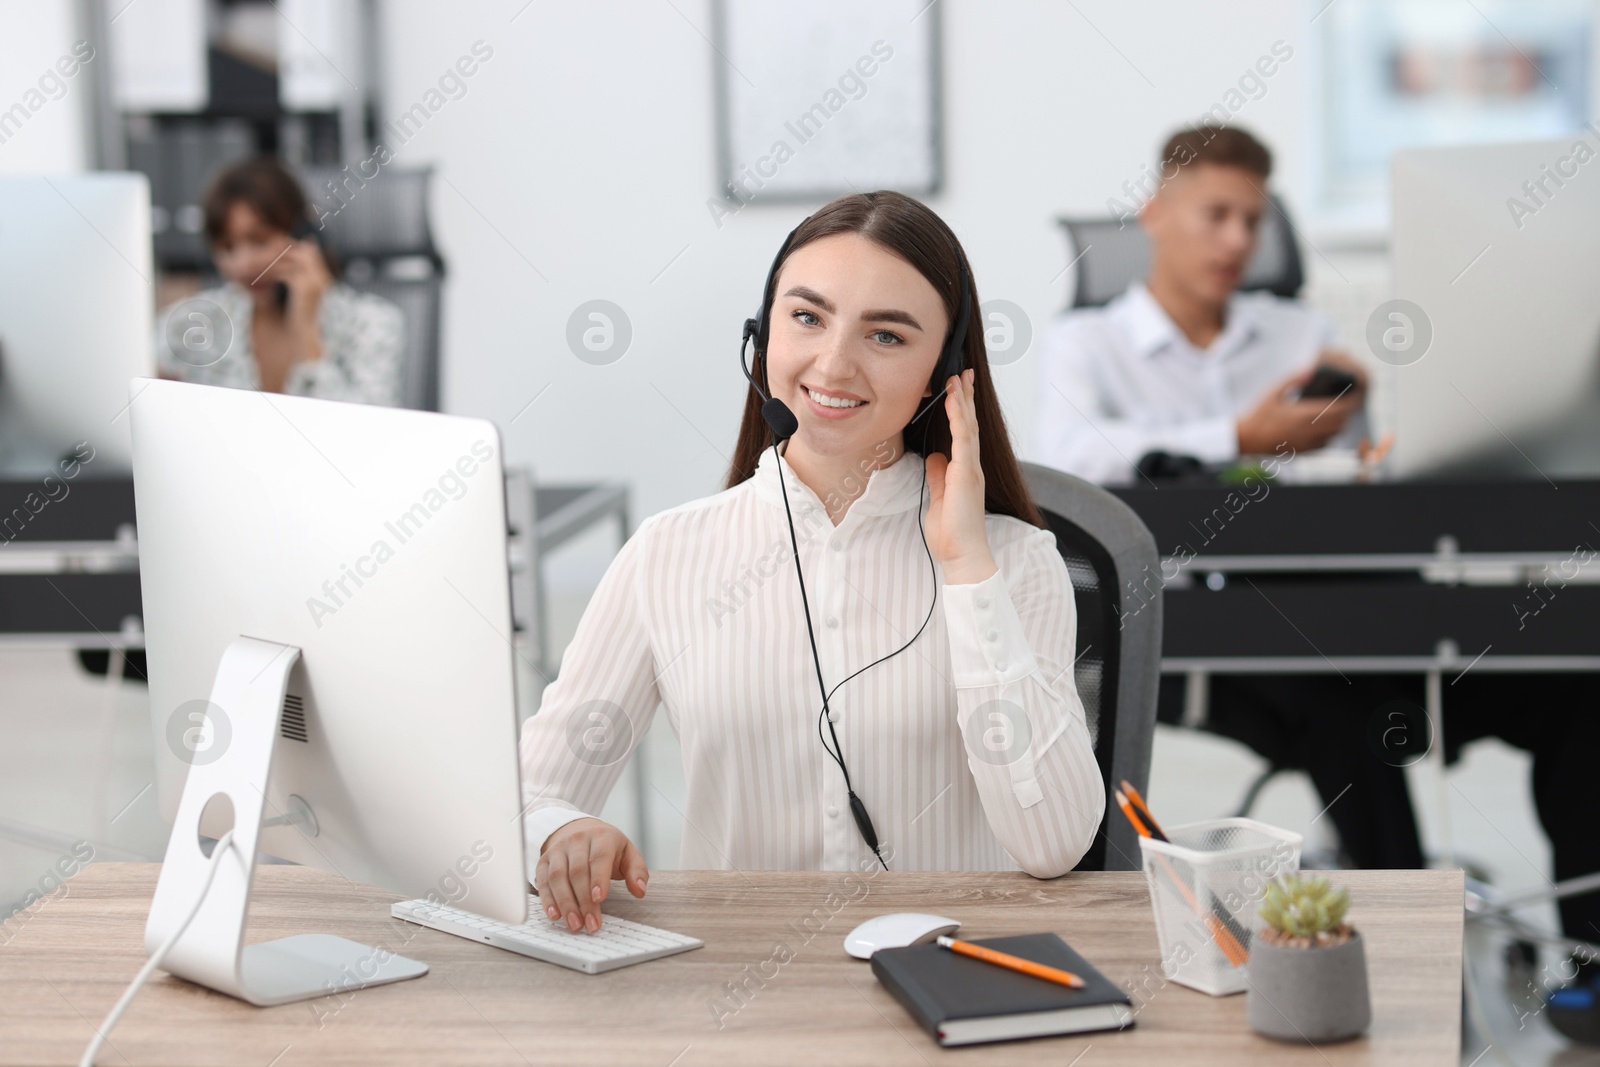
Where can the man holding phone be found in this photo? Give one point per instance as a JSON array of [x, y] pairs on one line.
[[1182, 363]]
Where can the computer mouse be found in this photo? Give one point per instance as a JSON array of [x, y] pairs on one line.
[[895, 930]]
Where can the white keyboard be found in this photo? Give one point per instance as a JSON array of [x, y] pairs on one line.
[[617, 943]]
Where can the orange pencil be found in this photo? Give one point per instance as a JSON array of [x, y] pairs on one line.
[[1236, 934], [1144, 811], [1226, 941], [1133, 816], [1010, 962]]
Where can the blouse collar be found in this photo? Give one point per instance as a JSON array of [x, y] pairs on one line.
[[889, 490]]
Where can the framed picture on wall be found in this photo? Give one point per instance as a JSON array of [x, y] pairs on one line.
[[828, 98]]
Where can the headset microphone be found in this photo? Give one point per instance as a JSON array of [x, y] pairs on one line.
[[779, 419], [783, 424]]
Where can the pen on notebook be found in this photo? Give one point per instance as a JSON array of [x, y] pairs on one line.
[[1010, 962]]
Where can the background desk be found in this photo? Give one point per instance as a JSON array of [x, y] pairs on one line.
[[1426, 578], [66, 962], [1395, 577], [70, 575]]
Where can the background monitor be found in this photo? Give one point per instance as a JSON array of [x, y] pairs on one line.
[[373, 540], [1495, 252], [75, 316]]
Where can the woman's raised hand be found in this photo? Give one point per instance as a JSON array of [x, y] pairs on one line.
[[956, 534]]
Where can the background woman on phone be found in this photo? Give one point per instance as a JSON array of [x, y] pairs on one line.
[[294, 327], [853, 724]]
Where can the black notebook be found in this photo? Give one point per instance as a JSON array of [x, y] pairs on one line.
[[962, 1001]]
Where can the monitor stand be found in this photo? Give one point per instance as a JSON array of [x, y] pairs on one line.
[[249, 688]]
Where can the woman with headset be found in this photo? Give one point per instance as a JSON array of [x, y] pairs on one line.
[[830, 718]]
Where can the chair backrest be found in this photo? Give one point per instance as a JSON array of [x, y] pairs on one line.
[[380, 231], [1115, 570], [1112, 253]]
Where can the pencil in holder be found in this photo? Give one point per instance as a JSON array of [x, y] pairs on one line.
[[1206, 884]]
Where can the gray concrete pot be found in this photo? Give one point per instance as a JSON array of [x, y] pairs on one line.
[[1308, 994]]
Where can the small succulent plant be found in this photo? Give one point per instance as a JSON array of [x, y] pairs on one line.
[[1304, 907]]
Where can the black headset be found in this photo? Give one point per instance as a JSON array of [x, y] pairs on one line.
[[783, 424]]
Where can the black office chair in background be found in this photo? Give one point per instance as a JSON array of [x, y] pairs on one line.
[[382, 235], [1111, 253], [1109, 551]]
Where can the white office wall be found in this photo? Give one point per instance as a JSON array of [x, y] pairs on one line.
[[578, 165], [51, 134]]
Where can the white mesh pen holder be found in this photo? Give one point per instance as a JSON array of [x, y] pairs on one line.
[[1205, 886]]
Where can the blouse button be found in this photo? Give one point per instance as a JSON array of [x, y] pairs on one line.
[[833, 622], [1001, 665], [983, 602], [991, 635], [838, 546], [833, 811]]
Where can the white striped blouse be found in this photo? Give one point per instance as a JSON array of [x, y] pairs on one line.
[[969, 748]]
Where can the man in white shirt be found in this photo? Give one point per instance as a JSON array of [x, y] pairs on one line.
[[1182, 363]]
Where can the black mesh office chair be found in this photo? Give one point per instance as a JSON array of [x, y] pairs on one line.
[[379, 230], [1111, 253], [1115, 570]]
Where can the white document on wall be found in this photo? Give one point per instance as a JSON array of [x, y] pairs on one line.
[[828, 97], [158, 54], [319, 54]]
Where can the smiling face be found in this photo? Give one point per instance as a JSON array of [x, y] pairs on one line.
[[854, 337], [1202, 226], [247, 249]]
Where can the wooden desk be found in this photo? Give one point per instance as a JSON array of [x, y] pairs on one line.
[[66, 963]]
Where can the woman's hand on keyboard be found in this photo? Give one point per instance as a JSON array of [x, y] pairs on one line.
[[576, 867]]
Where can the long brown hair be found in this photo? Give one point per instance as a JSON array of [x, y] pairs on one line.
[[910, 230]]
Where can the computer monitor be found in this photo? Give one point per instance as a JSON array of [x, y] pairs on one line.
[[75, 317], [327, 616], [1494, 252]]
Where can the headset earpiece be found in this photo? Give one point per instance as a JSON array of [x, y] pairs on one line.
[[953, 355], [955, 348]]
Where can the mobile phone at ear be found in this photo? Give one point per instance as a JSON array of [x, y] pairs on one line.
[[299, 232], [1328, 381]]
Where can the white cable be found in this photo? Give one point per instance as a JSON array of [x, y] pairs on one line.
[[1475, 1012], [223, 846], [1529, 932]]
